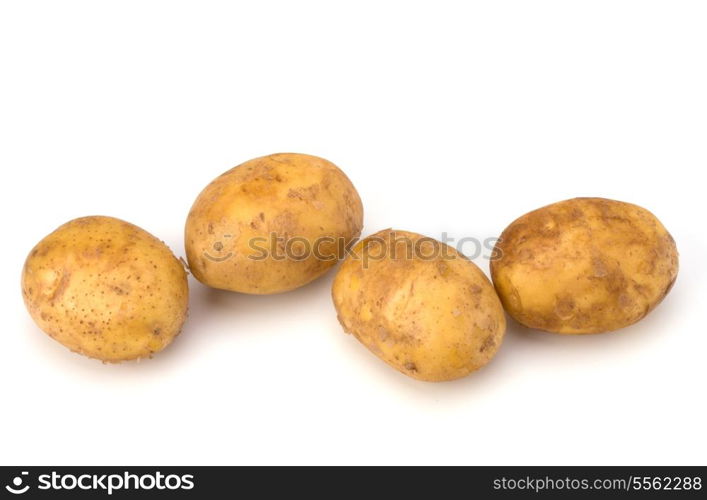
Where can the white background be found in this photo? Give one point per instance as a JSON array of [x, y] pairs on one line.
[[447, 116]]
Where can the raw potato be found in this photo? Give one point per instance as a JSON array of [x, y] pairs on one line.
[[106, 289], [272, 224], [434, 316], [585, 265]]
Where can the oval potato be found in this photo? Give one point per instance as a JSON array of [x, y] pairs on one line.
[[585, 265], [272, 224], [419, 305], [106, 289]]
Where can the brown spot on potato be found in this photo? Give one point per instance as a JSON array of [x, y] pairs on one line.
[[383, 334], [442, 268], [599, 268], [625, 300], [61, 286], [120, 290], [488, 343]]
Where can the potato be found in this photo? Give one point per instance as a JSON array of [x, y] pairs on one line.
[[106, 289], [586, 265], [272, 224], [420, 306]]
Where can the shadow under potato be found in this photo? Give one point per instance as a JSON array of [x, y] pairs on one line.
[[244, 308], [650, 328]]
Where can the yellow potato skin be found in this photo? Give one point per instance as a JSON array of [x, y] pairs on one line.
[[431, 317], [585, 265], [106, 289], [248, 208]]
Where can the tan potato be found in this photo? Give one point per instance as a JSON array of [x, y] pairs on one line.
[[585, 265], [106, 289], [272, 224], [420, 306]]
